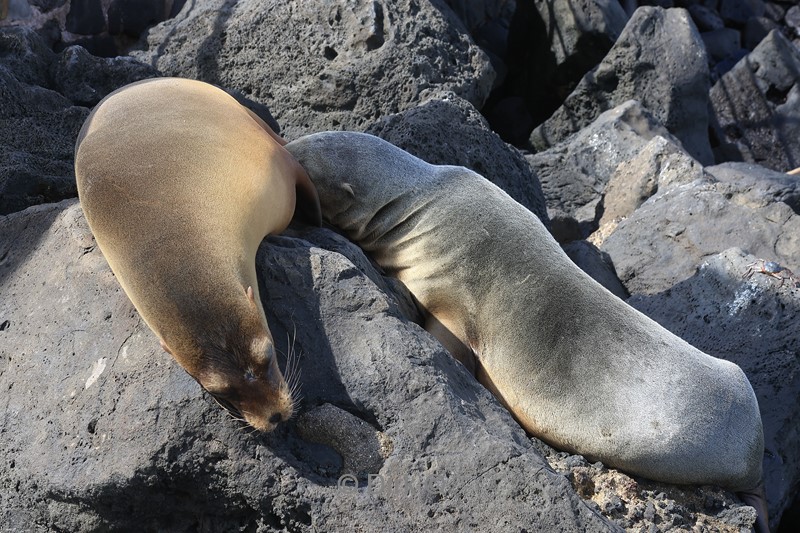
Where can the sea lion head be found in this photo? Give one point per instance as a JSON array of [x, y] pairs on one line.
[[245, 379], [356, 175], [235, 361]]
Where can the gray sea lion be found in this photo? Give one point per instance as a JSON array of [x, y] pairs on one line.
[[577, 367], [180, 184]]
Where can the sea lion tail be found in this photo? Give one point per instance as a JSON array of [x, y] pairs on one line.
[[757, 499]]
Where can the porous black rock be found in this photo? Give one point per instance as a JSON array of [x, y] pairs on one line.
[[756, 104], [323, 66], [44, 99], [659, 60]]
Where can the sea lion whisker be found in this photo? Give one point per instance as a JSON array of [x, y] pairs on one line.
[[292, 374]]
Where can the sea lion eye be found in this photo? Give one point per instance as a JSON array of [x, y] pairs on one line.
[[250, 375]]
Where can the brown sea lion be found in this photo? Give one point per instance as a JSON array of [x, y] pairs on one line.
[[180, 184]]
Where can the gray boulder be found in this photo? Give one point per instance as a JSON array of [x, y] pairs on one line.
[[756, 105], [448, 130], [753, 323], [578, 28], [574, 173], [659, 60], [488, 22], [41, 111], [658, 165], [102, 430], [85, 79], [760, 185], [323, 65], [665, 240], [38, 128]]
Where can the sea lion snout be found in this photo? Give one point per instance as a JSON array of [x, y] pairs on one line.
[[249, 384]]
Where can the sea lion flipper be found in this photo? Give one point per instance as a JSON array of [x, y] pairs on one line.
[[165, 347]]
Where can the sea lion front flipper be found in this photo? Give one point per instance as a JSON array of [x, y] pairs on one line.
[[165, 347], [757, 499]]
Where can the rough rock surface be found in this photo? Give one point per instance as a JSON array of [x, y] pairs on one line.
[[664, 241], [323, 65], [640, 505], [100, 427], [757, 104], [574, 173], [660, 60], [42, 95], [488, 22], [752, 322], [448, 130], [658, 165]]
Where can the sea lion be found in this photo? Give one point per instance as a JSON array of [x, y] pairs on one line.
[[179, 184], [576, 366]]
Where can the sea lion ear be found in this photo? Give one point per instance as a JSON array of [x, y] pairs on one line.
[[165, 347]]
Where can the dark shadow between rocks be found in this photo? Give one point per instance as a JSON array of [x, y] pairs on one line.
[[523, 101]]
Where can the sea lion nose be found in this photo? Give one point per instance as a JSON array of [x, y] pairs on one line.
[[277, 418]]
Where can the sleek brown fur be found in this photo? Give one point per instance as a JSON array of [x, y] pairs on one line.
[[180, 184]]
